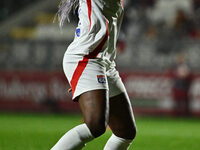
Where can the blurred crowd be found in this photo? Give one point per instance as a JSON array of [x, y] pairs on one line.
[[153, 33], [163, 19], [180, 18], [9, 7]]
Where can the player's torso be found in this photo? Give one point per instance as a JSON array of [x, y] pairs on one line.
[[92, 24]]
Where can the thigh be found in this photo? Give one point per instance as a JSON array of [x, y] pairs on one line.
[[95, 109], [121, 118]]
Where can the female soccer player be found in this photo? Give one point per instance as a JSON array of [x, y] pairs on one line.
[[96, 85]]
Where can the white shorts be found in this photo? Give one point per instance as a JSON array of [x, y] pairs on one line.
[[85, 76]]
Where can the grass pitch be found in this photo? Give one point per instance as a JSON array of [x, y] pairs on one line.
[[40, 132]]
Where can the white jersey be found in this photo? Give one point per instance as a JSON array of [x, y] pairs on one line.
[[89, 60], [98, 29]]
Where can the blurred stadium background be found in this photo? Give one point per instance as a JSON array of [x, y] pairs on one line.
[[158, 58]]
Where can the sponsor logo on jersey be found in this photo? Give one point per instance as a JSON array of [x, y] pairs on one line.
[[101, 79], [78, 32]]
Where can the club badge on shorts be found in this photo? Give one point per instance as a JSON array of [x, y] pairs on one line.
[[101, 79]]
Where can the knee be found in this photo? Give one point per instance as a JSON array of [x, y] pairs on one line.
[[132, 133], [97, 128], [128, 133]]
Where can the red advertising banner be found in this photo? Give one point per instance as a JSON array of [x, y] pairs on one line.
[[47, 91], [155, 92], [35, 91]]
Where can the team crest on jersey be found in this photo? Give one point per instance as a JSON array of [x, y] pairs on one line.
[[101, 79], [78, 32]]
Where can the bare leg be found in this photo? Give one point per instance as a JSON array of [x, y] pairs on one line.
[[95, 109], [94, 106], [121, 122]]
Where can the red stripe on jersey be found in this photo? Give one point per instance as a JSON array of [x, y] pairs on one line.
[[97, 50], [122, 2], [83, 63], [89, 5]]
